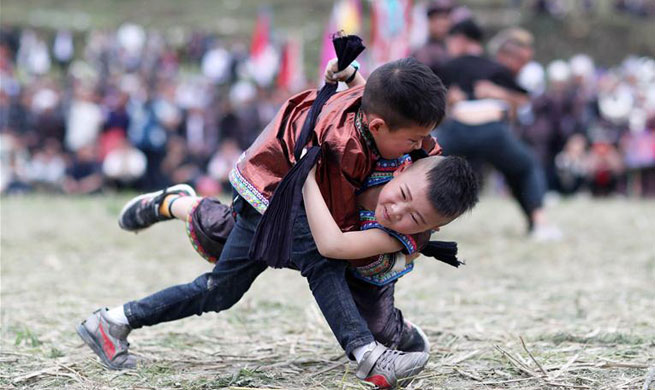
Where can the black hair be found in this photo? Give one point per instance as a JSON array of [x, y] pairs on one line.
[[469, 29], [439, 7], [403, 93], [452, 186]]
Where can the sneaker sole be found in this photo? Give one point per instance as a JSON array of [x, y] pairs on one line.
[[91, 342], [178, 187]]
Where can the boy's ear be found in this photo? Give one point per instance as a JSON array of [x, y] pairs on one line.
[[376, 124]]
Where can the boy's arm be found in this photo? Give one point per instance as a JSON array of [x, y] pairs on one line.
[[330, 240]]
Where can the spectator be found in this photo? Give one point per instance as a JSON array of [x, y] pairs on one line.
[[124, 165], [47, 167], [605, 167], [84, 175], [434, 53], [84, 119], [572, 165]]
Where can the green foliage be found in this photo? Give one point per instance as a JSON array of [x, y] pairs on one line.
[[55, 353], [26, 336]]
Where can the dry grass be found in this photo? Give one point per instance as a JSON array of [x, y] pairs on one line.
[[578, 314]]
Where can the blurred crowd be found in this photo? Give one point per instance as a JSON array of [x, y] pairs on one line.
[[129, 108], [560, 8], [125, 109], [592, 128]]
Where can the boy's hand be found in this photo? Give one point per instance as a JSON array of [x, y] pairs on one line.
[[431, 146], [332, 75]]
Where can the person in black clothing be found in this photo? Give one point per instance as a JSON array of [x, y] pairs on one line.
[[483, 95]]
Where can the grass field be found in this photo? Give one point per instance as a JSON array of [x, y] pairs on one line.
[[584, 307]]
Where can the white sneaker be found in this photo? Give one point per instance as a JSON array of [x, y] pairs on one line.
[[545, 232]]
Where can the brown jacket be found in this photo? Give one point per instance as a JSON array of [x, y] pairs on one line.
[[347, 157]]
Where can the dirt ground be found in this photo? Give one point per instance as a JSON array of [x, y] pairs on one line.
[[584, 307]]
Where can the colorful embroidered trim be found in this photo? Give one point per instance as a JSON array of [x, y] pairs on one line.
[[367, 221], [248, 191], [381, 271], [190, 231], [363, 130], [383, 171]]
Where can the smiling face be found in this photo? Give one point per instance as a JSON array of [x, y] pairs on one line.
[[396, 143], [403, 204]]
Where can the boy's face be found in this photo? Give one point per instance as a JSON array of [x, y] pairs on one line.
[[403, 204], [393, 144]]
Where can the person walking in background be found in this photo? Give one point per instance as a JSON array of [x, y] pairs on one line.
[[483, 95]]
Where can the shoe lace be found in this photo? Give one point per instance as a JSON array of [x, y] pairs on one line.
[[388, 357]]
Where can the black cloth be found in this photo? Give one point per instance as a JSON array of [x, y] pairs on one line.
[[464, 71]]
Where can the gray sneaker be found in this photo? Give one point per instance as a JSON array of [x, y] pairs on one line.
[[387, 368], [143, 211], [413, 339], [108, 340]]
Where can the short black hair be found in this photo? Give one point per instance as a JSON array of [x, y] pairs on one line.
[[439, 7], [469, 29], [452, 186], [405, 92]]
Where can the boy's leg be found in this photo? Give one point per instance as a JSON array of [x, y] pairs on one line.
[[146, 209], [213, 291], [376, 305], [386, 322], [495, 143], [327, 281], [180, 206], [517, 162]]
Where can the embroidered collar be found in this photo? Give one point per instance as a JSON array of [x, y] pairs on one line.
[[383, 171], [363, 130]]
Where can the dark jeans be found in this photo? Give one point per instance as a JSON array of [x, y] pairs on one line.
[[234, 273], [376, 305], [495, 144]]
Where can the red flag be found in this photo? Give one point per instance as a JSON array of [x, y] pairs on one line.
[[292, 75], [263, 62], [260, 37]]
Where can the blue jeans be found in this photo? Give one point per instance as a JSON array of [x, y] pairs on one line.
[[495, 144], [234, 273]]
